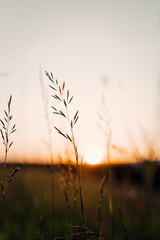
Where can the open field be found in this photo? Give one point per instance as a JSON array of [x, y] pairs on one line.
[[75, 201], [27, 205], [80, 120]]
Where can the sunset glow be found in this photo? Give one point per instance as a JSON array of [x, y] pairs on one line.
[[93, 155]]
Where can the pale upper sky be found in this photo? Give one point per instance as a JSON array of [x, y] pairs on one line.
[[83, 43]]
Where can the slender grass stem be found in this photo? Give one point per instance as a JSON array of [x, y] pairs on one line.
[[105, 127], [58, 95], [49, 145], [6, 179], [79, 172], [100, 207]]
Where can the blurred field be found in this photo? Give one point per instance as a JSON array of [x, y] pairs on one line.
[[27, 207]]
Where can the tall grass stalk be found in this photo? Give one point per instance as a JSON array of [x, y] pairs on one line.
[[123, 225], [104, 124], [63, 96], [110, 183], [6, 130], [100, 207], [49, 144], [65, 184]]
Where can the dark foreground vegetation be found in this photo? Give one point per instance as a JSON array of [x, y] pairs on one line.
[[28, 207]]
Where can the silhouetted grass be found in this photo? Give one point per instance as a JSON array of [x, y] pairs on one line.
[[90, 202], [27, 203]]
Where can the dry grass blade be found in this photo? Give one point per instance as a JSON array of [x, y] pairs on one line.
[[63, 86], [59, 131], [75, 116], [100, 204], [40, 237], [11, 174], [76, 120], [70, 99], [123, 225], [52, 87], [62, 114], [9, 103], [69, 137], [67, 94]]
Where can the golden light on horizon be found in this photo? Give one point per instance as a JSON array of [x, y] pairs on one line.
[[93, 155]]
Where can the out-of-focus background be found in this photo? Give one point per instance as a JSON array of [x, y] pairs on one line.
[[108, 54], [29, 207], [99, 48]]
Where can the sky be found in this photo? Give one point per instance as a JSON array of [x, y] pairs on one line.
[[99, 48]]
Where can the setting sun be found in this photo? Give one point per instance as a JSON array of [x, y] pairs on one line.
[[93, 155]]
